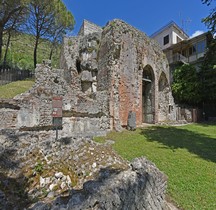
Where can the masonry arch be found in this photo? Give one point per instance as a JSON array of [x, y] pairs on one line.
[[163, 97], [148, 95]]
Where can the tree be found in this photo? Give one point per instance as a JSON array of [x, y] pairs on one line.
[[43, 20], [186, 86], [9, 10], [64, 23], [208, 2], [208, 73], [210, 20], [16, 22]]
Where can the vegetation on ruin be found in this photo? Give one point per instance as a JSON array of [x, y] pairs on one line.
[[14, 88], [186, 154]]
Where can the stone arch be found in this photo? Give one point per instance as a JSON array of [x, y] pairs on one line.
[[163, 98], [148, 95], [163, 82]]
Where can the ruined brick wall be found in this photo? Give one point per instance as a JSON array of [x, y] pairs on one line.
[[83, 114], [85, 110], [124, 54], [103, 76]]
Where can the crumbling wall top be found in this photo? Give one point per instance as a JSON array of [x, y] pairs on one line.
[[88, 28]]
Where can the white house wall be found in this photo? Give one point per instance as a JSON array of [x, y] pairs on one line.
[[160, 38], [173, 33]]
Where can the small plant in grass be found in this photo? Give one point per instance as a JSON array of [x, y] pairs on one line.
[[44, 192], [39, 168], [99, 139], [69, 43]]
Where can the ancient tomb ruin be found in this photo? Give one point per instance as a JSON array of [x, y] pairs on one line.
[[105, 75]]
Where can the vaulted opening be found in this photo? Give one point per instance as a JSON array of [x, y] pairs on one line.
[[163, 98], [148, 95]]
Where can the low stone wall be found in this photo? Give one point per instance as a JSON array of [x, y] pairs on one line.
[[8, 118], [143, 186], [188, 114], [11, 116], [8, 113], [84, 126]]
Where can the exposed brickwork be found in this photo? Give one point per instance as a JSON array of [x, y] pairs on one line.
[[101, 75]]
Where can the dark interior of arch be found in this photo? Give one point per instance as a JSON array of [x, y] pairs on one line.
[[148, 95]]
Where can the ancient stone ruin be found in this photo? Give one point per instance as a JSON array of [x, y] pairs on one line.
[[110, 79], [105, 75]]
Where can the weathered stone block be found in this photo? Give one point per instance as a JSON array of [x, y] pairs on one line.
[[117, 190], [131, 125]]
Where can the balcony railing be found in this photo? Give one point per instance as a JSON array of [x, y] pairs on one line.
[[178, 57]]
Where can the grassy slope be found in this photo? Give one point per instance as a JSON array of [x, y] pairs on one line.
[[22, 48], [186, 154], [14, 88]]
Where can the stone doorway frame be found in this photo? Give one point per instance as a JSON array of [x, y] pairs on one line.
[[148, 93]]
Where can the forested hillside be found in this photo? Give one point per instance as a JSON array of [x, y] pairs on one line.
[[21, 49], [41, 24]]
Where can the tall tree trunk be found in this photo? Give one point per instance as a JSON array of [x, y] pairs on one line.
[[53, 44], [35, 52], [7, 46], [51, 53], [1, 41]]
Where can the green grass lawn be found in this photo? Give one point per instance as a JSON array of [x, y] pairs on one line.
[[14, 88], [186, 154]]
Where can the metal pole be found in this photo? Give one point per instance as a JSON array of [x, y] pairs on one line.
[[56, 133]]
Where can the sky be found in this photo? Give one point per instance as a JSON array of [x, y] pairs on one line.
[[145, 15]]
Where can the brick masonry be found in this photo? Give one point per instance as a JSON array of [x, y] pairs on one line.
[[101, 80]]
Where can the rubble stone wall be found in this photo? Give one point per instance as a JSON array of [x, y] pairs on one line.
[[101, 82], [88, 28], [124, 54]]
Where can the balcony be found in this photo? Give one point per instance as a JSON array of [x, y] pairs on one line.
[[177, 57]]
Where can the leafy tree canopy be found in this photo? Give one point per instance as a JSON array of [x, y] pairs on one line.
[[186, 85], [10, 11], [48, 19], [210, 20], [208, 73]]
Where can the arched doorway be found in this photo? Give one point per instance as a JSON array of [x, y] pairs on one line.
[[163, 98], [148, 95]]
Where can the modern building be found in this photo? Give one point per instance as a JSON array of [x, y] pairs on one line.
[[169, 35], [179, 47]]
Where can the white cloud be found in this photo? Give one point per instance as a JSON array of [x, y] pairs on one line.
[[196, 33]]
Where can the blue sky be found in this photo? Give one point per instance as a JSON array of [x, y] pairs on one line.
[[147, 16]]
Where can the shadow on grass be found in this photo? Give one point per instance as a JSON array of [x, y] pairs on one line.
[[174, 138]]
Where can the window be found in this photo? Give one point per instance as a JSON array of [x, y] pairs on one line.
[[166, 39], [201, 46], [192, 50]]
